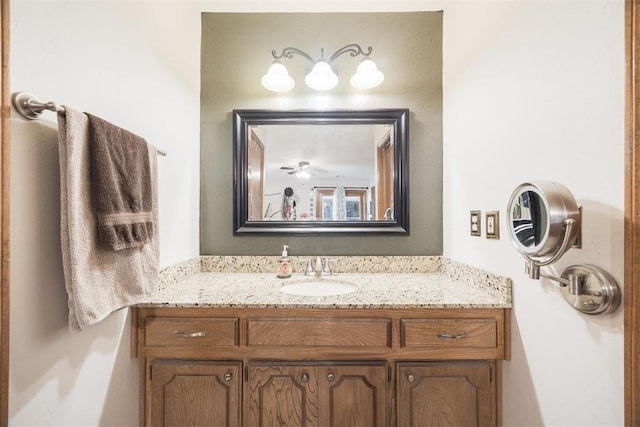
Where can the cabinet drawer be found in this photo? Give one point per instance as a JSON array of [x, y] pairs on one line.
[[193, 331], [319, 332], [478, 333]]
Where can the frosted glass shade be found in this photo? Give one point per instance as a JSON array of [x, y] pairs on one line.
[[367, 75], [321, 77], [277, 78]]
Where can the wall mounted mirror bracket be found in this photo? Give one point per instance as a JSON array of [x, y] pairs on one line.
[[543, 221]]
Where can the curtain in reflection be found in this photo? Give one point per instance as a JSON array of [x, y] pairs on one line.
[[339, 204]]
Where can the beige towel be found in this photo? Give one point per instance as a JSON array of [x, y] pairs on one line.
[[98, 281], [120, 185]]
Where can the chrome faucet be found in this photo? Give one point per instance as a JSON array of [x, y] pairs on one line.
[[321, 267]]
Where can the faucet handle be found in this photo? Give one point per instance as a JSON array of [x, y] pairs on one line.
[[326, 269], [309, 269]]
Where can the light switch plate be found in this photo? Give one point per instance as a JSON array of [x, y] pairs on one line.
[[475, 223]]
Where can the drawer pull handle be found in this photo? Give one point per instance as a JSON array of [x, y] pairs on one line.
[[411, 378], [452, 337], [190, 335], [331, 377], [228, 376], [304, 378]]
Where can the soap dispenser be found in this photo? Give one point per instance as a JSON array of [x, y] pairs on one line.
[[284, 265]]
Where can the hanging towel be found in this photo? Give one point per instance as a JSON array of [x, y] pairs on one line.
[[120, 185], [98, 281]]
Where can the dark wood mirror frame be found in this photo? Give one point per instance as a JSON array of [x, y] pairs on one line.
[[242, 119]]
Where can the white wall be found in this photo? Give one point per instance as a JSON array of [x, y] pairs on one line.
[[532, 90], [134, 64]]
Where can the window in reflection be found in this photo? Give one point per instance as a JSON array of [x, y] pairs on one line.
[[332, 205]]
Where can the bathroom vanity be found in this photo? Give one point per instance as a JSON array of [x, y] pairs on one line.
[[405, 349]]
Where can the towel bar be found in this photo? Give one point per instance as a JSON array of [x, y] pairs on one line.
[[30, 107]]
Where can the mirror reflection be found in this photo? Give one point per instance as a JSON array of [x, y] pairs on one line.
[[317, 172], [529, 218]]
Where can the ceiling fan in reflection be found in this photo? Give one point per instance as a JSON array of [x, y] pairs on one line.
[[303, 170]]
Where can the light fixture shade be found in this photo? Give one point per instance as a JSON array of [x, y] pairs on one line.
[[303, 174], [321, 77], [367, 75], [277, 78]]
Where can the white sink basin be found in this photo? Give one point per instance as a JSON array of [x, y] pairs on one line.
[[318, 288]]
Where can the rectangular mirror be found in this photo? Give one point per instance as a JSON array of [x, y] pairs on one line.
[[338, 171]]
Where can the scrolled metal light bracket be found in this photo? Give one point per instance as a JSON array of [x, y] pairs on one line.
[[353, 49]]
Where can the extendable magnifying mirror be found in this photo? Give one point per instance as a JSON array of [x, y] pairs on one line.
[[543, 222]]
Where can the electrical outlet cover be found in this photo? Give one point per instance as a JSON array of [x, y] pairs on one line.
[[475, 223]]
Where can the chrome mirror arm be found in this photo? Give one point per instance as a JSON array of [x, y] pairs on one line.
[[532, 267]]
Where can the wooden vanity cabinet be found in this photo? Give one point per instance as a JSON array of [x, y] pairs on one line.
[[195, 393], [446, 394], [281, 395], [320, 367], [317, 395]]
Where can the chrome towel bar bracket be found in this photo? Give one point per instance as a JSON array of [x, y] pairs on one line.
[[31, 108]]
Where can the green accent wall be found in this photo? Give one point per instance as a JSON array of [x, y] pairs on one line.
[[236, 52]]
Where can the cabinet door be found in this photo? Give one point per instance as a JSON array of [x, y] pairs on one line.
[[190, 393], [352, 395], [282, 395], [460, 394]]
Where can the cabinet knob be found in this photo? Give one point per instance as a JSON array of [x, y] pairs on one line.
[[331, 377], [228, 376], [304, 378], [411, 378]]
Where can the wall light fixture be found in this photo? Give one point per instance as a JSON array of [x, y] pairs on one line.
[[322, 76]]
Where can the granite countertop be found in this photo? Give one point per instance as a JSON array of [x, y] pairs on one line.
[[442, 284], [377, 290]]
